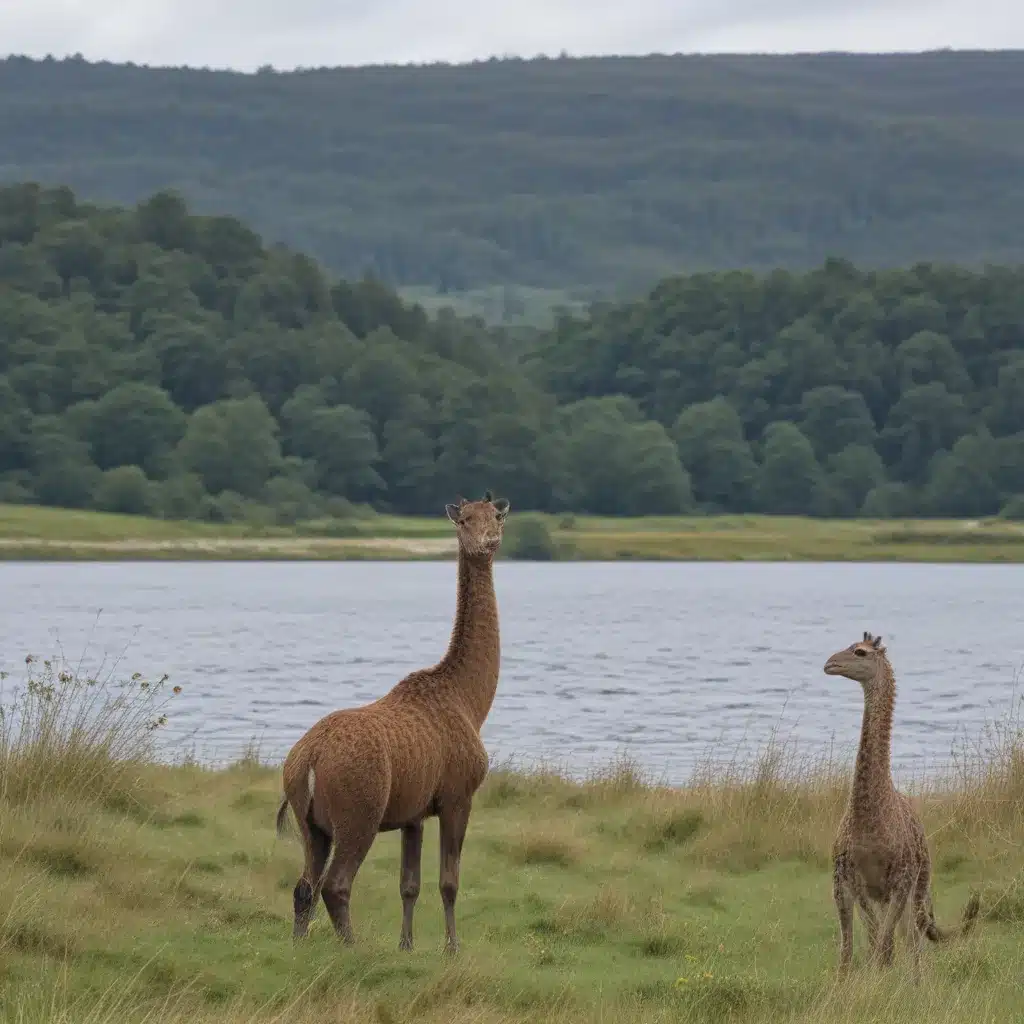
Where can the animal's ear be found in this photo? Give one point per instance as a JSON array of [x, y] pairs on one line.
[[877, 643], [453, 513], [488, 496], [867, 637], [502, 506]]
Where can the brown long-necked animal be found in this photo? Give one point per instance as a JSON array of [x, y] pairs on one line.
[[413, 754], [881, 859]]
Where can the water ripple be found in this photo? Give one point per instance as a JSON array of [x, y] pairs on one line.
[[592, 665]]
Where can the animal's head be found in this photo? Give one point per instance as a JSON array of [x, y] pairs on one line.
[[479, 523], [860, 661]]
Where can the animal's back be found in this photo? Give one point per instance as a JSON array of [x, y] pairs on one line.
[[393, 752]]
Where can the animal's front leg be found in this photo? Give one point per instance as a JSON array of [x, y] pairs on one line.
[[412, 850], [453, 823], [842, 893]]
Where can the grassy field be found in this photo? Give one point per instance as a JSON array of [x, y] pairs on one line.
[[29, 532], [134, 892]]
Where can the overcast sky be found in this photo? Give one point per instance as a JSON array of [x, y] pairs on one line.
[[244, 34]]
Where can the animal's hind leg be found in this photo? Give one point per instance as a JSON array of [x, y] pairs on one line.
[[868, 915], [317, 846], [412, 850], [453, 823], [922, 901], [842, 893], [350, 850], [895, 908], [912, 933]]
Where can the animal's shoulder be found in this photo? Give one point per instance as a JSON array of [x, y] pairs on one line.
[[470, 754], [911, 819], [418, 685]]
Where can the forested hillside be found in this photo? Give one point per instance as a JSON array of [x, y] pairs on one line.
[[564, 174], [838, 391], [155, 361]]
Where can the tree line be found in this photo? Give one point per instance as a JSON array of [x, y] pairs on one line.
[[155, 361], [543, 172]]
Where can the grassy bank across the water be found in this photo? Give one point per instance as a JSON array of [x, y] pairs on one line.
[[30, 532], [134, 892]]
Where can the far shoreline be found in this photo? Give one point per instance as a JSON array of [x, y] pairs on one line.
[[38, 534]]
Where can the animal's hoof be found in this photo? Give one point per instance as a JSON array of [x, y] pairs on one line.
[[451, 948], [405, 944]]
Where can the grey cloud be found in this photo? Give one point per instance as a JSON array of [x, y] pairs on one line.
[[247, 33]]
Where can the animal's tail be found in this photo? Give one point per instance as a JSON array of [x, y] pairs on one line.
[[282, 810], [282, 817], [315, 884], [937, 934]]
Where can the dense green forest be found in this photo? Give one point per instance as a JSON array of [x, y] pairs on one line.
[[579, 174], [154, 361]]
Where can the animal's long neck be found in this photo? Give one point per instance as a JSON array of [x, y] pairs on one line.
[[470, 666], [872, 777]]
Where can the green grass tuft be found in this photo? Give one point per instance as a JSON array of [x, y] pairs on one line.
[[674, 829]]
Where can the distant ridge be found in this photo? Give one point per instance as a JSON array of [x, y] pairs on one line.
[[587, 174]]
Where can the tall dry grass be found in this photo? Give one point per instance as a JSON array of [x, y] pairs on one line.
[[783, 803], [75, 736]]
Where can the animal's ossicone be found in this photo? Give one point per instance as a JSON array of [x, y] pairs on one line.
[[413, 754]]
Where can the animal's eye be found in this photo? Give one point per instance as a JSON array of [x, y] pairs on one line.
[[861, 653]]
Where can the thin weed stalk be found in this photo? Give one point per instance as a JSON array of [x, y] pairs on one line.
[[75, 736]]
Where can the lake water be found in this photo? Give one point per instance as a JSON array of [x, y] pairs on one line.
[[672, 662]]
